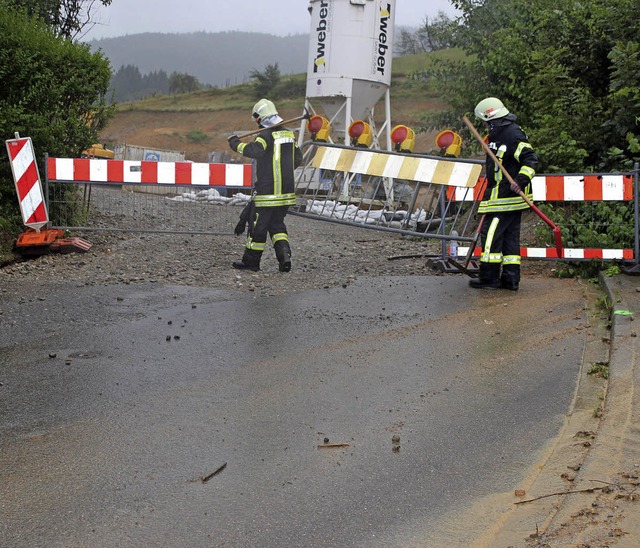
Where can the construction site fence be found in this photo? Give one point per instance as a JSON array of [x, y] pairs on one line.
[[421, 196], [437, 198], [146, 196]]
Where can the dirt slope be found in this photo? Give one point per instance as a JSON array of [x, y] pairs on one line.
[[199, 132]]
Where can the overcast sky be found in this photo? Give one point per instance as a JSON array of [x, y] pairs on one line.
[[280, 17]]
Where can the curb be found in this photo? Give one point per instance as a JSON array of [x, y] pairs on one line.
[[609, 513], [595, 477]]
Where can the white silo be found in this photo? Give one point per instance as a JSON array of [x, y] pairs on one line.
[[349, 63]]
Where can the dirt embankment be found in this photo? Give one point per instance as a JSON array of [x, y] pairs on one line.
[[198, 133]]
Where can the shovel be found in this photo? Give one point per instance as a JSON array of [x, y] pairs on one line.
[[556, 229], [304, 116]]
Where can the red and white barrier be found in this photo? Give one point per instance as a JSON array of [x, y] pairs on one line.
[[567, 253], [565, 188], [139, 172], [27, 181]]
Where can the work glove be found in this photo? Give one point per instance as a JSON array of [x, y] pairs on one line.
[[234, 142], [239, 229]]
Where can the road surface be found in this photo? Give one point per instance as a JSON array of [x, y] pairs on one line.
[[374, 414]]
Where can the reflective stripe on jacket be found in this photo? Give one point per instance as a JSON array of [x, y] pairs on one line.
[[510, 145], [277, 155]]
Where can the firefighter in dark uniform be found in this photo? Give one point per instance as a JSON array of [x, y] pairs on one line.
[[501, 202], [277, 155]]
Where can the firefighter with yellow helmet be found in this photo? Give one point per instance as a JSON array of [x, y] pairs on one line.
[[277, 155], [501, 202]]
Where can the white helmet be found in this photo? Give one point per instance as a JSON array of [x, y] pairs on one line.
[[490, 108], [265, 113]]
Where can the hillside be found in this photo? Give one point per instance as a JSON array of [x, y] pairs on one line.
[[200, 123], [218, 59]]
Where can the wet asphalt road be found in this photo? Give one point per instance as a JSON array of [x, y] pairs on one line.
[[122, 400]]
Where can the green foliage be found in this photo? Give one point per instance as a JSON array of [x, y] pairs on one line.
[[197, 136], [181, 82], [599, 369], [128, 84], [265, 82], [66, 18], [54, 92], [591, 224], [68, 204], [292, 87], [570, 71], [611, 271], [432, 35]]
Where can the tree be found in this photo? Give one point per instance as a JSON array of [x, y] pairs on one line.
[[569, 70], [434, 34], [67, 18], [266, 81], [55, 91], [127, 84], [180, 82], [407, 43]]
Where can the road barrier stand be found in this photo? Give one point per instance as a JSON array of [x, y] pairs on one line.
[[436, 198]]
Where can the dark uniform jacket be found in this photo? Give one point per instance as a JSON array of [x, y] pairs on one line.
[[277, 156], [511, 146]]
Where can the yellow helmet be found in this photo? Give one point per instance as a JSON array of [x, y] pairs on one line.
[[490, 108]]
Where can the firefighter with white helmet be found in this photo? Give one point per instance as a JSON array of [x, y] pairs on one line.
[[490, 108], [277, 155], [501, 202]]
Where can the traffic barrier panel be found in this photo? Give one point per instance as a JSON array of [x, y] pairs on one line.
[[571, 189], [145, 196], [27, 182], [339, 182], [87, 170]]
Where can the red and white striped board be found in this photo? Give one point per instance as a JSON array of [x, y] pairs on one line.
[[27, 181], [552, 253], [139, 172], [565, 188]]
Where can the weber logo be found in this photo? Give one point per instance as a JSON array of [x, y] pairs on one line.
[[323, 28], [382, 49]]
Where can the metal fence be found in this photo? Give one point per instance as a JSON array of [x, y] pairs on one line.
[[390, 191], [420, 196], [402, 193], [131, 208]]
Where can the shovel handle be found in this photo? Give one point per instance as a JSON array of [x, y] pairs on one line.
[[497, 162], [304, 116]]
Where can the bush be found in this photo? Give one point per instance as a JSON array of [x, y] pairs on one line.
[[55, 92]]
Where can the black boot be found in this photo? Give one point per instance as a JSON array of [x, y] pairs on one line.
[[250, 261], [283, 254], [510, 278], [240, 265], [480, 283], [488, 277]]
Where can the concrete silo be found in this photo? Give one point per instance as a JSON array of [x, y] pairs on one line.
[[349, 63]]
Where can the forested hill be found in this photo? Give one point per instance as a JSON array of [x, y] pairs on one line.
[[219, 59]]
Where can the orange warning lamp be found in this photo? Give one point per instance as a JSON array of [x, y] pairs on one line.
[[404, 138], [319, 127], [360, 133], [449, 143]]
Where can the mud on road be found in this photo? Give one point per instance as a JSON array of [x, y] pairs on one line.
[[327, 255]]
